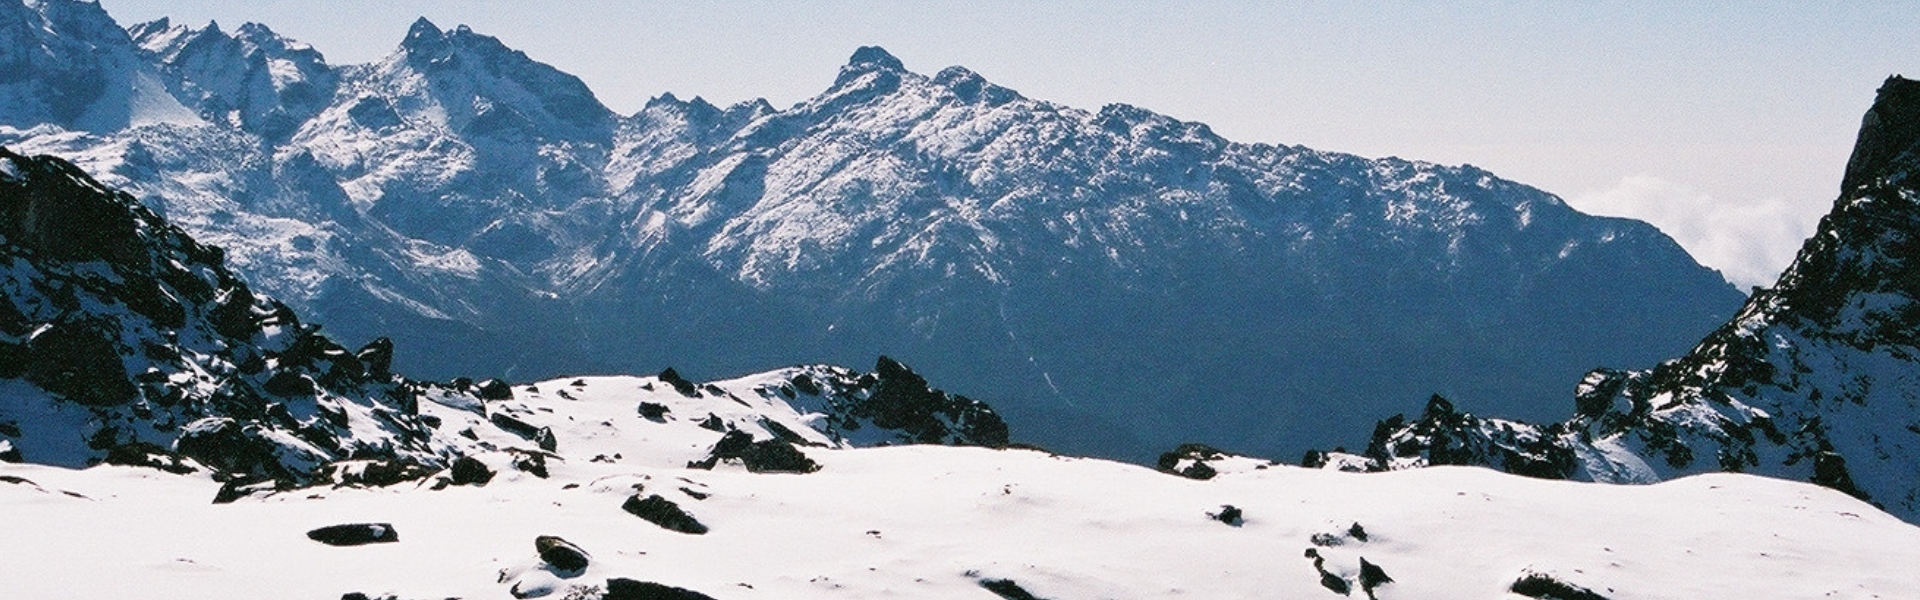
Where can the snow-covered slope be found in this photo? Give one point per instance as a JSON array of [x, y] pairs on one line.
[[1089, 271], [1816, 379], [123, 340], [937, 522], [69, 65]]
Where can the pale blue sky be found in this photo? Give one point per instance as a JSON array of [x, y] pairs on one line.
[[1725, 123]]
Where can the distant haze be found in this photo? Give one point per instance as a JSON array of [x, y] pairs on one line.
[[1725, 124]]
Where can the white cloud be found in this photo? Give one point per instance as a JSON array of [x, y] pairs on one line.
[[1749, 241]]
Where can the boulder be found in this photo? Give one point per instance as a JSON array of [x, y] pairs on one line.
[[494, 389], [562, 554], [620, 588], [663, 512], [355, 534], [468, 470], [680, 384]]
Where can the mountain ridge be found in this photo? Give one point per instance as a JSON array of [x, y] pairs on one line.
[[1076, 265]]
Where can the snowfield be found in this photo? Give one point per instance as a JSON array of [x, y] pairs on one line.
[[932, 522]]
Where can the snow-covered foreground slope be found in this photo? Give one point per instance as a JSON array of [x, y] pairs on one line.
[[938, 522]]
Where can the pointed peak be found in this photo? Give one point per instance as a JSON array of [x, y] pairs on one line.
[[874, 57], [213, 26], [664, 99], [1890, 129], [423, 29]]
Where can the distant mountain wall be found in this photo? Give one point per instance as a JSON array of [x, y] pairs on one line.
[[1114, 281]]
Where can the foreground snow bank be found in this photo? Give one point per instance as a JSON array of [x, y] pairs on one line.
[[940, 522]]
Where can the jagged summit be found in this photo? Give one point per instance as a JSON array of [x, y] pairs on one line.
[[421, 30], [1888, 133], [874, 57]]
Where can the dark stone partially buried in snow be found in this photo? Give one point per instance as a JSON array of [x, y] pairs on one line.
[[1372, 576], [663, 512], [533, 463], [680, 384], [377, 473], [1229, 514], [234, 447], [1198, 453], [355, 534], [540, 436], [1547, 587], [653, 411], [764, 456], [494, 389], [468, 470], [560, 553], [621, 588], [1006, 588]]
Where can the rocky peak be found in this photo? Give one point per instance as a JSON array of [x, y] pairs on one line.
[[1888, 134], [253, 78], [873, 58], [421, 32], [488, 88]]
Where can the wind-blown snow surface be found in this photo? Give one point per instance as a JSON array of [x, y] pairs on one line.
[[1069, 265], [936, 522]]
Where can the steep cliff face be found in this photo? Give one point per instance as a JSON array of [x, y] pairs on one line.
[[1817, 378]]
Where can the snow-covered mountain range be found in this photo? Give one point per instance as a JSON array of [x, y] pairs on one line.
[[1117, 281], [232, 450], [1816, 379]]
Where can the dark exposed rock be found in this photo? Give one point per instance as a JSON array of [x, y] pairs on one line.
[[1335, 584], [901, 400], [1199, 454], [540, 436], [620, 588], [1229, 514], [764, 456], [533, 463], [78, 360], [1372, 576], [237, 488], [680, 384], [560, 553], [653, 411], [143, 454], [377, 473], [234, 447], [377, 357], [494, 389], [1007, 589], [713, 422], [467, 470], [355, 534], [1547, 587], [663, 512]]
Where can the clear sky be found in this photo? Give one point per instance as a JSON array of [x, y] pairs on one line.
[[1727, 124]]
